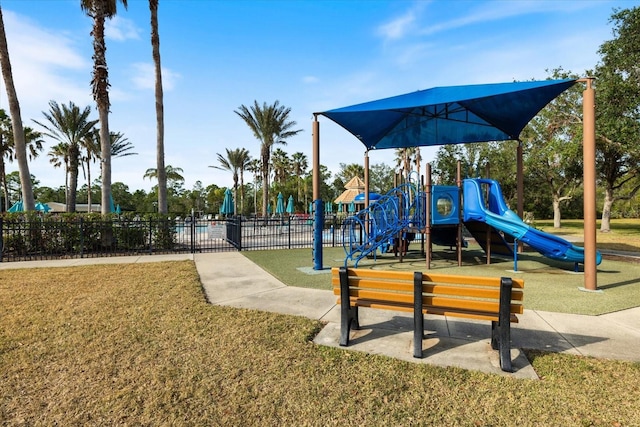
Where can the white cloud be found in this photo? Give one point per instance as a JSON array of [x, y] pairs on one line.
[[498, 10], [46, 66], [121, 29], [144, 76], [310, 79], [401, 25]]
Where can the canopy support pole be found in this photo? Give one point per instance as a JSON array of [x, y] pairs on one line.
[[520, 190], [315, 129], [589, 178], [366, 179], [318, 222]]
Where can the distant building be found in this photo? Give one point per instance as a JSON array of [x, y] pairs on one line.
[[80, 207]]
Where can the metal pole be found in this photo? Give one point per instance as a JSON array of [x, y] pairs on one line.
[[427, 213], [316, 157], [589, 177], [318, 222], [520, 189]]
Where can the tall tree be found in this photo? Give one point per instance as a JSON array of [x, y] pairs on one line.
[[281, 165], [245, 163], [155, 47], [271, 125], [552, 146], [20, 143], [618, 112], [254, 167], [91, 145], [99, 11], [350, 171], [69, 125], [300, 164], [58, 157], [120, 145], [174, 175], [235, 162]]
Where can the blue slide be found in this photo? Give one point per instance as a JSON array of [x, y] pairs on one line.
[[500, 217]]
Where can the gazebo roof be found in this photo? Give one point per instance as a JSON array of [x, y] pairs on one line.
[[354, 187]]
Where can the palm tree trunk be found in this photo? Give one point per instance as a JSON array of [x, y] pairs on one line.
[[265, 182], [241, 191], [74, 153], [16, 122], [5, 190], [155, 45], [100, 85], [89, 183]]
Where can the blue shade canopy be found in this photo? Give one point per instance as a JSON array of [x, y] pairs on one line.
[[448, 115]]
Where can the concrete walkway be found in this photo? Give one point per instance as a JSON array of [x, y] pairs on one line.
[[230, 279]]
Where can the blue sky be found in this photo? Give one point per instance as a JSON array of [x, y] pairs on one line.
[[312, 56]]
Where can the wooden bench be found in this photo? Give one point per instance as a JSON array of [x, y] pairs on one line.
[[485, 298]]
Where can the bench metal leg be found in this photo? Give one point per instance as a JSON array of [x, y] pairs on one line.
[[418, 316], [503, 333], [348, 314]]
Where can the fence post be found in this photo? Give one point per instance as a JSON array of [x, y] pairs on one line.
[[1, 239], [289, 232], [193, 232], [81, 238], [150, 236]]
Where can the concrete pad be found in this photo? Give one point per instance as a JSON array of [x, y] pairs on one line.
[[437, 350], [629, 319], [534, 332], [311, 303], [227, 276], [596, 336]]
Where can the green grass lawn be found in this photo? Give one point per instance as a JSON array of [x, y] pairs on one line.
[[138, 344]]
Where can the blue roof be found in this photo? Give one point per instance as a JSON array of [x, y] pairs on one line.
[[448, 115]]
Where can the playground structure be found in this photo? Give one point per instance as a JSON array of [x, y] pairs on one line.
[[439, 213], [460, 115]]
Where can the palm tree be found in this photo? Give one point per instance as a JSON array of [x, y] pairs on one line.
[[281, 165], [68, 125], [99, 10], [59, 156], [91, 145], [254, 167], [7, 152], [120, 146], [244, 163], [174, 175], [270, 124], [300, 165], [235, 162], [155, 47], [403, 159], [19, 138]]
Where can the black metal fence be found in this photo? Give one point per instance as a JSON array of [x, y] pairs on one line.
[[47, 237]]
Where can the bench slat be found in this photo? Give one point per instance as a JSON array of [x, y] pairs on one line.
[[441, 311], [436, 289], [402, 276]]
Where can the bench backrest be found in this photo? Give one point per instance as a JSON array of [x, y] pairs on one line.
[[466, 296]]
